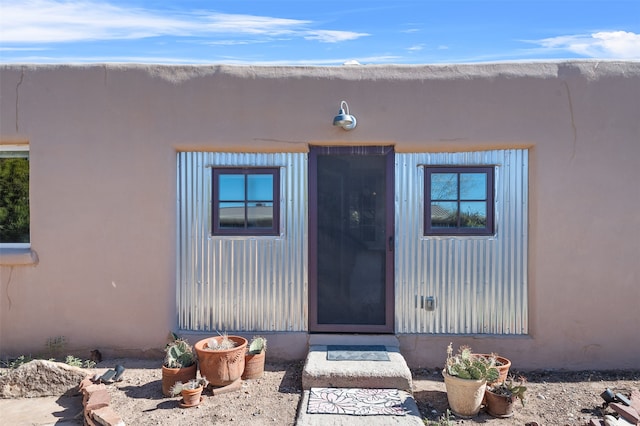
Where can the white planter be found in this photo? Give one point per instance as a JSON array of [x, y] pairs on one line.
[[464, 396]]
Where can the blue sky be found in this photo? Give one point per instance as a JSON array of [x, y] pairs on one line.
[[316, 32]]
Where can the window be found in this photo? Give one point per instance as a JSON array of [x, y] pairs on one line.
[[459, 201], [14, 196], [246, 201]]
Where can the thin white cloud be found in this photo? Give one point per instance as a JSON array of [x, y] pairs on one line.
[[604, 44], [52, 21], [416, 48], [55, 21], [329, 36]]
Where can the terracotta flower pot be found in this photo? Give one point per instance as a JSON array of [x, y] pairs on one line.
[[464, 395], [172, 375], [191, 397], [254, 366], [499, 405], [503, 368], [223, 366]]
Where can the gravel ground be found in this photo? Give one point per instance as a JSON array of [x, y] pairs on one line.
[[553, 398]]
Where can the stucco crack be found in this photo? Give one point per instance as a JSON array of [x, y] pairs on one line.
[[7, 290], [574, 130], [18, 98]]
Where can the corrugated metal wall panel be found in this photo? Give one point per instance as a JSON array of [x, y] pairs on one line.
[[479, 283], [241, 283]]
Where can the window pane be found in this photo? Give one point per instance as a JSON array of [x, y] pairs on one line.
[[260, 215], [444, 186], [14, 202], [231, 215], [260, 187], [473, 214], [444, 215], [231, 187], [473, 186]]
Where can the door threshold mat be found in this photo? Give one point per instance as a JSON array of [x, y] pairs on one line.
[[357, 353], [356, 402]]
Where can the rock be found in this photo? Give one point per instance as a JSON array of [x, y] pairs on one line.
[[40, 378]]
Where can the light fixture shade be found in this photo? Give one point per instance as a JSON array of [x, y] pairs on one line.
[[344, 119]]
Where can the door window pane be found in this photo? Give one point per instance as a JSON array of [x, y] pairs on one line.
[[351, 240]]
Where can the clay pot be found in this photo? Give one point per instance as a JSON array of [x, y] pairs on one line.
[[254, 366], [503, 368], [499, 405], [172, 375], [223, 366], [191, 397], [464, 395]]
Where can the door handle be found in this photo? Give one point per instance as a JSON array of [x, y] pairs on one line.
[[391, 243]]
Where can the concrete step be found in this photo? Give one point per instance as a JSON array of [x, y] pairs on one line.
[[320, 372]]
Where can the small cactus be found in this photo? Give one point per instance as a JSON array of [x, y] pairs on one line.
[[178, 387], [223, 343], [467, 365], [179, 354], [257, 345]]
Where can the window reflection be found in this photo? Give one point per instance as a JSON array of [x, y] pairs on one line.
[[246, 200], [460, 200]]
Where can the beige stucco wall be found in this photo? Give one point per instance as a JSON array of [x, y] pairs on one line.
[[103, 142]]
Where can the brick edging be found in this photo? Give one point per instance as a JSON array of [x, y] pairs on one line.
[[96, 401]]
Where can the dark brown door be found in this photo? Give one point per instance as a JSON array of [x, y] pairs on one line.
[[351, 239]]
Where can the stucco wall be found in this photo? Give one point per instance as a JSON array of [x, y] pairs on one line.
[[103, 142]]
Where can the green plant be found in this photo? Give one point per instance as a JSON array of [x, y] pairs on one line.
[[178, 387], [257, 345], [510, 389], [15, 363], [77, 362], [444, 420], [73, 361], [179, 354], [467, 365]]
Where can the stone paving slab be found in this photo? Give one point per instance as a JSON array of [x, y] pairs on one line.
[[43, 411], [412, 418]]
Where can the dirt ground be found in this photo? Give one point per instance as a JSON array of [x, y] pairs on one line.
[[553, 398]]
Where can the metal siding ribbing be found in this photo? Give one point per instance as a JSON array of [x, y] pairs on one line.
[[479, 283], [241, 283]]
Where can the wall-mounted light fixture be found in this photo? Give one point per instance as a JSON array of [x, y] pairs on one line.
[[344, 119]]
